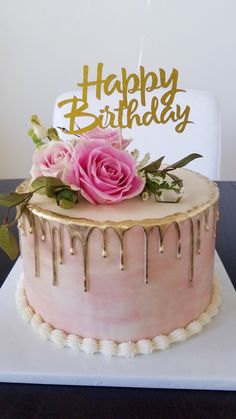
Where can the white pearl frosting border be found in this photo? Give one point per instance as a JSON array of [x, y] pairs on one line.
[[109, 347]]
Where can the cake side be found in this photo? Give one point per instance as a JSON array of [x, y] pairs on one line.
[[142, 279], [110, 347]]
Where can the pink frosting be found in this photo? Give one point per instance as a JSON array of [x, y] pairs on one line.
[[118, 304], [103, 173]]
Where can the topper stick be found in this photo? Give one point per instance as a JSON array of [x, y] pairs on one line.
[[120, 139]]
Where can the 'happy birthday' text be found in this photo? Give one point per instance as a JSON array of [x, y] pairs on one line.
[[129, 110]]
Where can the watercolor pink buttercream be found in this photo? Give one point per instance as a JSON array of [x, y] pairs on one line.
[[119, 305], [104, 174]]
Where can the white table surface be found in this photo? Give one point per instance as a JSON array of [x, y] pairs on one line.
[[204, 361]]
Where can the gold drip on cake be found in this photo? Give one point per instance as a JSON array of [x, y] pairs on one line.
[[192, 249], [42, 223], [146, 258], [162, 230], [206, 215], [61, 247], [21, 224], [29, 216], [179, 241], [215, 217], [53, 232], [82, 232], [104, 242], [54, 255], [178, 216], [36, 249], [198, 223], [120, 234]]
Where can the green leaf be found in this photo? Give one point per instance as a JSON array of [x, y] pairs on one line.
[[176, 179], [35, 120], [182, 162], [64, 203], [52, 186], [8, 242], [154, 166], [68, 195], [21, 207], [13, 199], [39, 182], [46, 185], [37, 141], [53, 134]]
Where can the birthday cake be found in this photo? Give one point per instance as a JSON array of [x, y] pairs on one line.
[[117, 249], [121, 279], [116, 272]]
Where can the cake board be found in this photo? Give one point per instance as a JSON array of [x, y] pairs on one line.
[[205, 361]]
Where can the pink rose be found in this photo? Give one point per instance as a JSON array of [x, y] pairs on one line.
[[104, 174], [52, 159], [112, 136]]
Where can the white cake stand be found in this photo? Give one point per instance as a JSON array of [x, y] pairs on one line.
[[205, 361]]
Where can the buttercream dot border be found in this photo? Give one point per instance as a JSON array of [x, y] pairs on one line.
[[109, 347]]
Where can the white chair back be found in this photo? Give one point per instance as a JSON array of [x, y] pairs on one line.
[[203, 136]]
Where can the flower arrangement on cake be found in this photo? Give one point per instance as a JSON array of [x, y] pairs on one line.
[[95, 166]]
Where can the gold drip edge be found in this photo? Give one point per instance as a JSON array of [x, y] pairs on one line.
[[124, 224], [86, 226]]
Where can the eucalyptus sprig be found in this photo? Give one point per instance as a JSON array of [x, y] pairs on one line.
[[158, 180], [49, 186], [38, 132]]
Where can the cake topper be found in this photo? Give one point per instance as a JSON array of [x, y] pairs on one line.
[[136, 96]]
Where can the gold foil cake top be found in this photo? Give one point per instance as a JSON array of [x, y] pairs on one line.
[[199, 194]]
